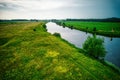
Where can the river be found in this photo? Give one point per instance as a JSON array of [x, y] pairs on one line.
[[76, 37]]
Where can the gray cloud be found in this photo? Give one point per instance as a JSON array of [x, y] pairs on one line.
[[9, 6], [60, 8]]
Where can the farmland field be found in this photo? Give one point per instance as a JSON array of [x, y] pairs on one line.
[[28, 52], [103, 28]]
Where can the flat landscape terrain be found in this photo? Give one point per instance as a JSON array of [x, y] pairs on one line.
[[29, 52], [104, 28]]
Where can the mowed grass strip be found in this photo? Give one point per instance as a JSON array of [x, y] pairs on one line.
[[103, 28], [28, 52]]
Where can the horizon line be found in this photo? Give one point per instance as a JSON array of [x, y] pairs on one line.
[[58, 18]]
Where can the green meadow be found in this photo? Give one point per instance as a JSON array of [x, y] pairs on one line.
[[29, 52], [111, 29]]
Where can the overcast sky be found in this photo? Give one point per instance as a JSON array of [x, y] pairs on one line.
[[58, 9]]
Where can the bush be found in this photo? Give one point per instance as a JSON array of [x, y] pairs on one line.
[[44, 26], [94, 47], [57, 34], [34, 29], [94, 29]]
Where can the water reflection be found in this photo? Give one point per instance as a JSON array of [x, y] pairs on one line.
[[78, 37], [111, 39]]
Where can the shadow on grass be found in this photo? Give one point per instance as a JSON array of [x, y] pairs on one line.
[[4, 40]]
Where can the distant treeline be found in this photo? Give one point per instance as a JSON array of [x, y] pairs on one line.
[[12, 20], [97, 20], [113, 19]]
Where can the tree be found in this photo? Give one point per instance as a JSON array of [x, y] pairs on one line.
[[94, 47]]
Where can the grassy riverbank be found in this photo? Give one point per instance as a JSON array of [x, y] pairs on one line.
[[28, 52], [111, 29]]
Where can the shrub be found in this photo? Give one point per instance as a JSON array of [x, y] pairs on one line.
[[94, 47], [57, 34], [44, 26], [94, 29], [34, 29]]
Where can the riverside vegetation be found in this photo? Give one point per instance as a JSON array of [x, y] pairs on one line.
[[111, 29], [28, 52], [93, 46]]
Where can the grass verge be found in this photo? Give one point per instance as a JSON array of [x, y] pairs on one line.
[[111, 29]]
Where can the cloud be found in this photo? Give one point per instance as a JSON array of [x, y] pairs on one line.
[[37, 4], [29, 5], [9, 6], [59, 8]]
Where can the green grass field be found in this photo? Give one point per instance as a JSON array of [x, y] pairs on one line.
[[103, 28], [28, 52]]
